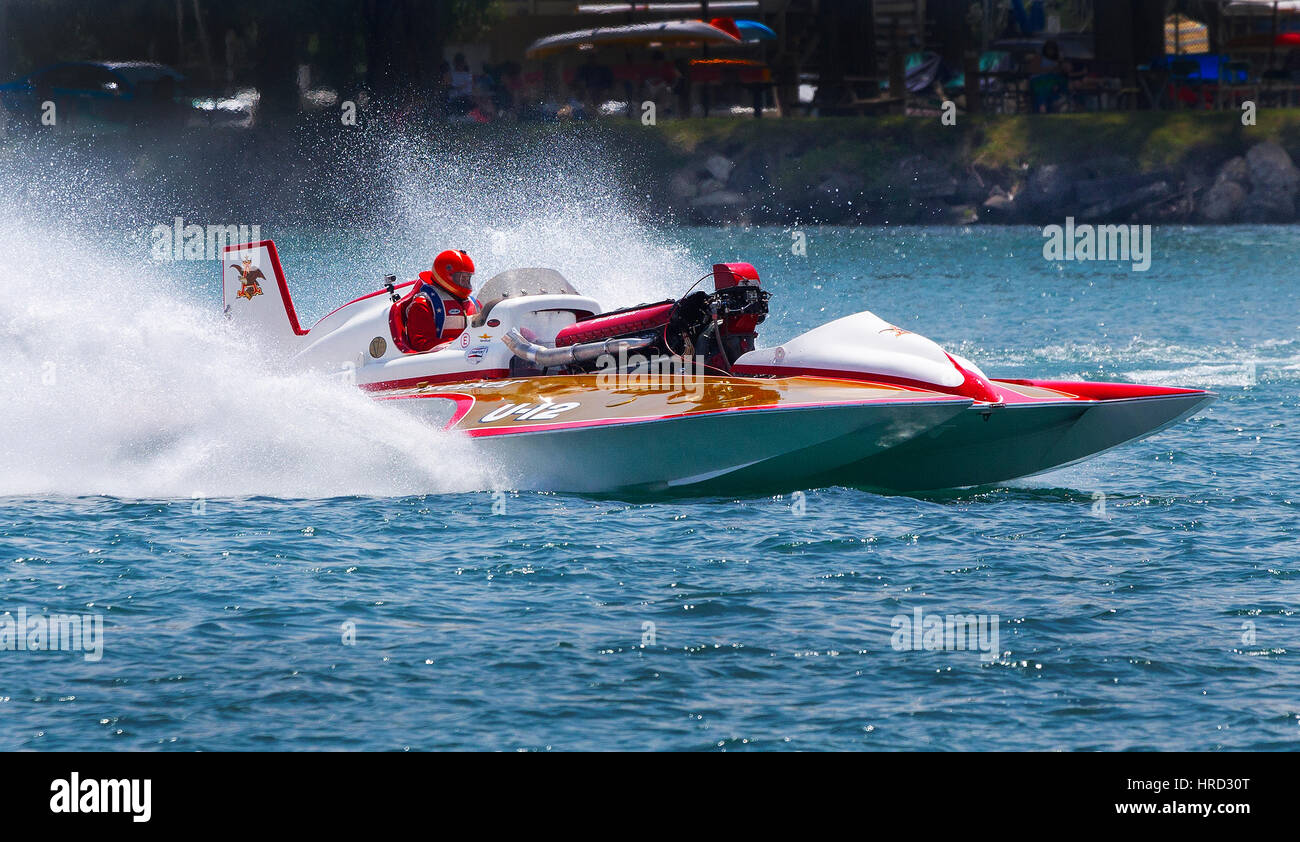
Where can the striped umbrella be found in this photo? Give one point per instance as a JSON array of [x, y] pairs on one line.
[[1184, 35]]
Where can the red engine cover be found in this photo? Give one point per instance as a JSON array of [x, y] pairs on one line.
[[734, 275], [637, 320], [737, 275]]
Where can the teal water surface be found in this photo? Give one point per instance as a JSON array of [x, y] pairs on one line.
[[276, 572]]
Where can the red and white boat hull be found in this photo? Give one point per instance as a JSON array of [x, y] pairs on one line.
[[857, 401]]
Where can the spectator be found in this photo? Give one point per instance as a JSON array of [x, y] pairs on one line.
[[460, 97], [506, 84], [1050, 80], [661, 81], [442, 90]]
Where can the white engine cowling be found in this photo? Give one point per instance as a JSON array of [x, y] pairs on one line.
[[865, 346]]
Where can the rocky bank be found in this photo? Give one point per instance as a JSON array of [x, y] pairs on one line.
[[1259, 186], [1137, 167]]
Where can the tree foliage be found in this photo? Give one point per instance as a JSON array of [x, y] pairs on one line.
[[381, 44]]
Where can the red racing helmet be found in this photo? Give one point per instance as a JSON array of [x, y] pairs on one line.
[[453, 270]]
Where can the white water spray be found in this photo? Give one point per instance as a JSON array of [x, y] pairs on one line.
[[120, 378], [113, 385]]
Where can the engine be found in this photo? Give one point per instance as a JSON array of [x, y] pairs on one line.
[[712, 328], [740, 303]]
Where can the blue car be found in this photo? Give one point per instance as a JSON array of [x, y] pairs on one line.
[[98, 92]]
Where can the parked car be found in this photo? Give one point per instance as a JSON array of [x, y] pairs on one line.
[[117, 93]]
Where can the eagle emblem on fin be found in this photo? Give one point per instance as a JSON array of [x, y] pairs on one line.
[[248, 278]]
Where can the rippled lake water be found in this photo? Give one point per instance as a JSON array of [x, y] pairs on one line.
[[280, 564]]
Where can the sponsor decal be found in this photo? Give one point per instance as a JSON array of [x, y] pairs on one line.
[[493, 322], [477, 384], [778, 356], [464, 340], [249, 275], [484, 337], [475, 355], [544, 411]]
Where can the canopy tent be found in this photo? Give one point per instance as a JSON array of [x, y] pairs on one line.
[[1184, 36], [1262, 7], [664, 33], [668, 8]]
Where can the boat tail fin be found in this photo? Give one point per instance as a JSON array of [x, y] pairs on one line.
[[254, 292]]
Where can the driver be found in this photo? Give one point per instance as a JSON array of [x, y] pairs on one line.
[[439, 306]]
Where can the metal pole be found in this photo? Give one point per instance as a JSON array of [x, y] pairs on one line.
[[1272, 47], [4, 54]]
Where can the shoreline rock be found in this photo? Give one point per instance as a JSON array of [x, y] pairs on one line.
[[1259, 187]]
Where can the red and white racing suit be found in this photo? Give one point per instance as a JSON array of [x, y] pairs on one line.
[[434, 316]]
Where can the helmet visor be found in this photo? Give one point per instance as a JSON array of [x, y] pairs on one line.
[[462, 279]]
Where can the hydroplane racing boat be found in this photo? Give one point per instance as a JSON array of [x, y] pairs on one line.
[[675, 395]]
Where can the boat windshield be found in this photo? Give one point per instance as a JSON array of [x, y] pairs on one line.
[[514, 283]]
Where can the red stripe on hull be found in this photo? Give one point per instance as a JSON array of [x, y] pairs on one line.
[[453, 377], [837, 374], [972, 386], [1106, 391], [464, 403]]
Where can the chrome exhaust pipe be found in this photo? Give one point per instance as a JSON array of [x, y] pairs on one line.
[[545, 357]]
